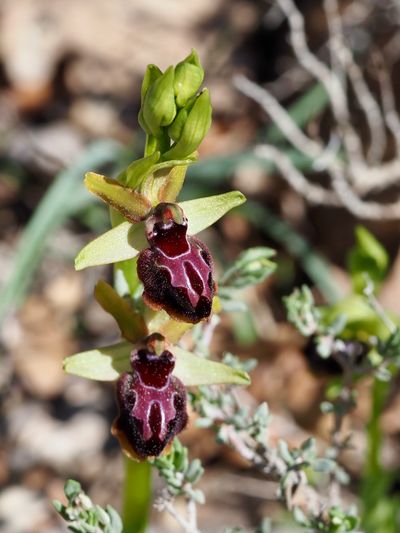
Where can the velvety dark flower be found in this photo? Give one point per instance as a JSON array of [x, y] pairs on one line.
[[176, 270], [152, 403]]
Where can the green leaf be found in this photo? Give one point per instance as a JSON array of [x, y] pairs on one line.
[[126, 240], [106, 364], [101, 364], [131, 323], [203, 212], [194, 370], [118, 244], [367, 257], [131, 204]]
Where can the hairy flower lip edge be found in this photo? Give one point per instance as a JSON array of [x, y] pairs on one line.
[[167, 392], [176, 269]]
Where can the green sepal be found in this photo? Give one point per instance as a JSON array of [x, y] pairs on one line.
[[107, 363], [159, 107], [130, 323], [118, 244], [189, 75], [196, 126], [137, 171], [126, 240], [131, 204], [100, 364], [204, 212], [193, 370]]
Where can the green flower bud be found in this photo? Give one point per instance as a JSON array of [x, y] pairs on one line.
[[151, 75], [159, 107], [189, 75], [194, 129], [176, 128]]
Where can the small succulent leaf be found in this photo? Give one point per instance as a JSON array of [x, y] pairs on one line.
[[161, 322], [131, 204], [137, 171], [101, 364], [203, 212], [118, 244], [131, 323], [194, 370], [251, 267], [126, 240]]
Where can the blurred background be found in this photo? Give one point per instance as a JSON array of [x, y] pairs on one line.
[[70, 74]]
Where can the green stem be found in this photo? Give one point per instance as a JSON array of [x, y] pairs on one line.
[[136, 496], [378, 508]]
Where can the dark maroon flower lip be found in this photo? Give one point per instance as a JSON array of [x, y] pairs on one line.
[[176, 270], [152, 402]]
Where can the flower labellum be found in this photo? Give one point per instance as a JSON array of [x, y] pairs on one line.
[[176, 270], [152, 402]]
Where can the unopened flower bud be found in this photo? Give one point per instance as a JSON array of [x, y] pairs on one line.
[[189, 75], [151, 75], [158, 108], [176, 128], [193, 127], [152, 402], [176, 270]]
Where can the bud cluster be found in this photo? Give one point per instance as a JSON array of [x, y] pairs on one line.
[[172, 110]]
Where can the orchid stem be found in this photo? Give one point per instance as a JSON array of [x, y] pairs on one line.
[[136, 496]]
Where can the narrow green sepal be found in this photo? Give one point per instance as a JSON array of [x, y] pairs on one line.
[[130, 323], [118, 244], [193, 370], [100, 364], [131, 204], [159, 107], [194, 130], [204, 212], [189, 75]]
